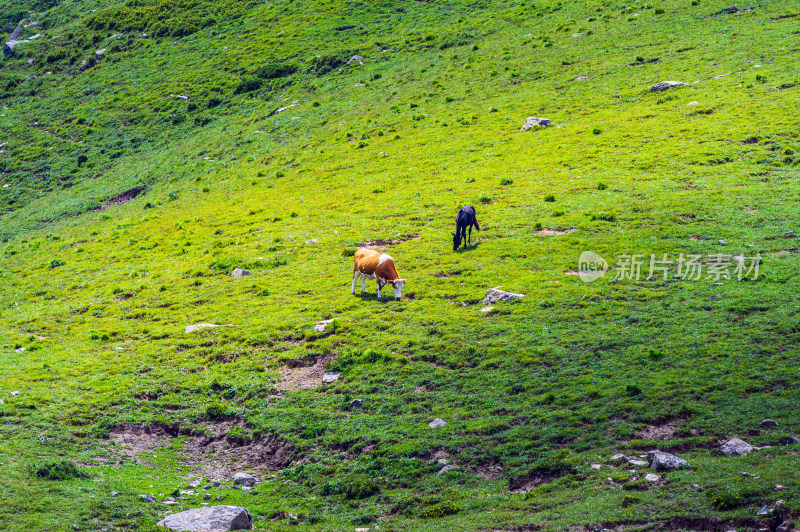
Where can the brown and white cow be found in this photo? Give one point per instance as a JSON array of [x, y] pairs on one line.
[[379, 266]]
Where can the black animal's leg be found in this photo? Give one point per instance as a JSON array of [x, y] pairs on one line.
[[464, 236], [470, 235]]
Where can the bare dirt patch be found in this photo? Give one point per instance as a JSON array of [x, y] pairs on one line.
[[122, 199], [528, 482], [381, 244], [137, 438], [554, 232], [304, 372], [571, 272], [663, 431], [208, 449], [447, 275]]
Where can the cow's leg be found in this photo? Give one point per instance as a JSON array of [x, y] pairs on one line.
[[379, 289], [355, 277], [363, 285]]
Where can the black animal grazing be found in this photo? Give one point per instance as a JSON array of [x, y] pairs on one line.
[[465, 218]]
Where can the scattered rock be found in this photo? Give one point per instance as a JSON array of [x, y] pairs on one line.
[[638, 463], [768, 423], [148, 498], [664, 85], [281, 109], [89, 63], [722, 76], [15, 393], [244, 479], [2, 402], [597, 467], [312, 241], [100, 53], [210, 519], [194, 483], [19, 350], [197, 327], [532, 121], [661, 461], [693, 103], [735, 447], [356, 403], [791, 440], [576, 35], [445, 469], [487, 309], [320, 326], [619, 459], [437, 423], [784, 527], [356, 58], [182, 97], [580, 78], [331, 377], [652, 477], [238, 272], [493, 295]]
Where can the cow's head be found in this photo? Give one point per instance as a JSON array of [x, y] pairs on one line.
[[397, 286], [456, 241]]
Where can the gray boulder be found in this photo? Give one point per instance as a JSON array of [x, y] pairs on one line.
[[619, 459], [664, 85], [661, 461], [445, 469], [148, 498], [209, 519], [331, 377], [13, 40], [493, 295], [437, 423], [244, 479], [533, 121], [735, 447], [356, 403], [767, 423], [238, 272]]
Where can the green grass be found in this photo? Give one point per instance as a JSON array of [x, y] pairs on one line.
[[387, 149]]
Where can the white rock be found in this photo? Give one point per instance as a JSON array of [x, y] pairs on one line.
[[244, 479], [532, 121], [437, 423], [331, 377], [197, 327], [652, 477], [693, 103], [597, 467], [238, 272], [320, 326], [664, 85], [100, 52], [487, 309], [735, 447], [209, 519], [493, 295]]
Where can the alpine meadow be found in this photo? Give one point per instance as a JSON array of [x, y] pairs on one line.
[[185, 186]]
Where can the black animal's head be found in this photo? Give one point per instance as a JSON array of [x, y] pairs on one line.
[[456, 241]]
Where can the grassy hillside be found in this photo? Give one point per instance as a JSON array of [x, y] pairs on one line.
[[125, 208]]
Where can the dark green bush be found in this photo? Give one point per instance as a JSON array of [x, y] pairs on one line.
[[276, 70], [61, 470], [216, 411], [248, 85], [351, 487]]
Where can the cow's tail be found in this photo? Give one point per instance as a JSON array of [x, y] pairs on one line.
[[478, 227]]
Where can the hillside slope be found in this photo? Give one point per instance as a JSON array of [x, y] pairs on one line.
[[203, 136]]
